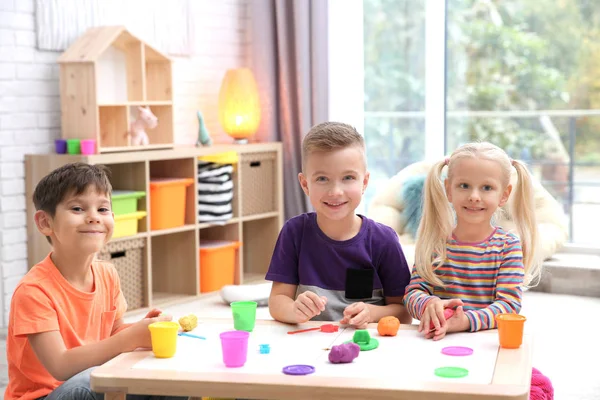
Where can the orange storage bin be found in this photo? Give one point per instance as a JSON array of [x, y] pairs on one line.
[[167, 202], [217, 264]]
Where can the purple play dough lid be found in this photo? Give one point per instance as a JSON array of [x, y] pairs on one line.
[[457, 351], [298, 369]]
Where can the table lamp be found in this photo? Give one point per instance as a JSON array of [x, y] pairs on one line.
[[239, 105]]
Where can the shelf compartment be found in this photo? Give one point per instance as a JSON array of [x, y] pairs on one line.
[[114, 126], [120, 71], [162, 134], [173, 259], [159, 77], [183, 168], [215, 195], [219, 236], [131, 177], [130, 259], [259, 182], [259, 235]]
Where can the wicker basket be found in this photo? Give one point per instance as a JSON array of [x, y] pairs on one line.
[[127, 257], [259, 182]]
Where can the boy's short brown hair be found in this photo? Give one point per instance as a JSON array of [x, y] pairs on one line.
[[330, 136], [73, 178]]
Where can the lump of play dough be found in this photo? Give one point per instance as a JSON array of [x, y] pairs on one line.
[[448, 313], [388, 326], [188, 323], [344, 353]]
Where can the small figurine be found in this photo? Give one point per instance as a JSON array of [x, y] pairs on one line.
[[203, 135], [344, 353], [137, 131]]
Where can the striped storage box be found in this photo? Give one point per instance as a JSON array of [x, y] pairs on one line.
[[215, 192]]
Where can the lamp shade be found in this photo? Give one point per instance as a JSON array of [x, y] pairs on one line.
[[239, 105]]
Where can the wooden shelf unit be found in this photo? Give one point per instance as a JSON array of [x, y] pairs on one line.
[[171, 258], [104, 76]]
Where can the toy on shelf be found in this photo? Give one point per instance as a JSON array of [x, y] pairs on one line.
[[137, 130], [203, 135]]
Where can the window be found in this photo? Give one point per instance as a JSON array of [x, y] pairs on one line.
[[437, 76]]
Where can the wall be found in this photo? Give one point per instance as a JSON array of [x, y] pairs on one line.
[[30, 113]]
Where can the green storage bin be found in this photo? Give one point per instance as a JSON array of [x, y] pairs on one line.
[[125, 201]]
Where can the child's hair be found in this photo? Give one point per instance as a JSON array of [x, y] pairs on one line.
[[438, 219], [72, 178], [330, 136]]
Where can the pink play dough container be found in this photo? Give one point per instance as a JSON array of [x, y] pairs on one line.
[[88, 146], [235, 348]]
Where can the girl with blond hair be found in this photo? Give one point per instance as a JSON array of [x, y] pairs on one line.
[[462, 260]]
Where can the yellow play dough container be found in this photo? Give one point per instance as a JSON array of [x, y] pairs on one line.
[[164, 338]]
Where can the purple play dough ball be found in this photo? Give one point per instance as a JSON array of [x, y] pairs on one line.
[[344, 353]]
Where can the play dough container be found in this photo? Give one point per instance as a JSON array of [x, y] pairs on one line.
[[164, 338], [234, 345], [510, 330], [244, 315]]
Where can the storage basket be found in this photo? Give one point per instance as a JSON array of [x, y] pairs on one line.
[[127, 257], [259, 182]]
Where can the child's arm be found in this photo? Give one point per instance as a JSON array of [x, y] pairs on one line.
[[508, 290], [418, 295], [63, 363], [284, 308], [359, 314], [120, 324]]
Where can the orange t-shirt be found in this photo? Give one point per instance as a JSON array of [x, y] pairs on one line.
[[45, 301]]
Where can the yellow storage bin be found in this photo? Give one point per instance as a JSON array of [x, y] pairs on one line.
[[228, 157], [127, 224]]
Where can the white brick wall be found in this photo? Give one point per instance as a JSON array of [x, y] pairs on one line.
[[30, 112]]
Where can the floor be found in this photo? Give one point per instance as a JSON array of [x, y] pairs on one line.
[[554, 319]]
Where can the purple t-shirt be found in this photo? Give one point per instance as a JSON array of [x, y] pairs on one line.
[[306, 257]]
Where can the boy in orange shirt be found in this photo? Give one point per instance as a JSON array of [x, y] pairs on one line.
[[66, 314]]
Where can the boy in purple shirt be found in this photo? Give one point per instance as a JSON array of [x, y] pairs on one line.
[[333, 264]]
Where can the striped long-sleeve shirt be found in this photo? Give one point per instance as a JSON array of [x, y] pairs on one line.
[[486, 276]]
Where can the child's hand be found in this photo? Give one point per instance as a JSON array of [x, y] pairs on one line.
[[308, 305], [459, 321], [138, 334], [155, 312], [357, 315], [434, 314]]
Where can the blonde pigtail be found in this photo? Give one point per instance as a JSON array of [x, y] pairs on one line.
[[525, 221], [435, 227]]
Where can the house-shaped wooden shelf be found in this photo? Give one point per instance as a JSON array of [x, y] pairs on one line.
[[105, 75]]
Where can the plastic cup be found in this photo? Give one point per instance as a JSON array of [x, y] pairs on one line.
[[88, 146], [244, 315], [73, 146], [235, 348], [164, 338], [60, 146], [510, 330]]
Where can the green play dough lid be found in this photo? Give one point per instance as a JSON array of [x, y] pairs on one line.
[[373, 344], [451, 372]]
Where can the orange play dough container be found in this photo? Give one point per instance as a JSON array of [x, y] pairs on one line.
[[510, 330], [167, 202]]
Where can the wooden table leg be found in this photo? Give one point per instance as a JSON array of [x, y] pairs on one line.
[[115, 396]]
